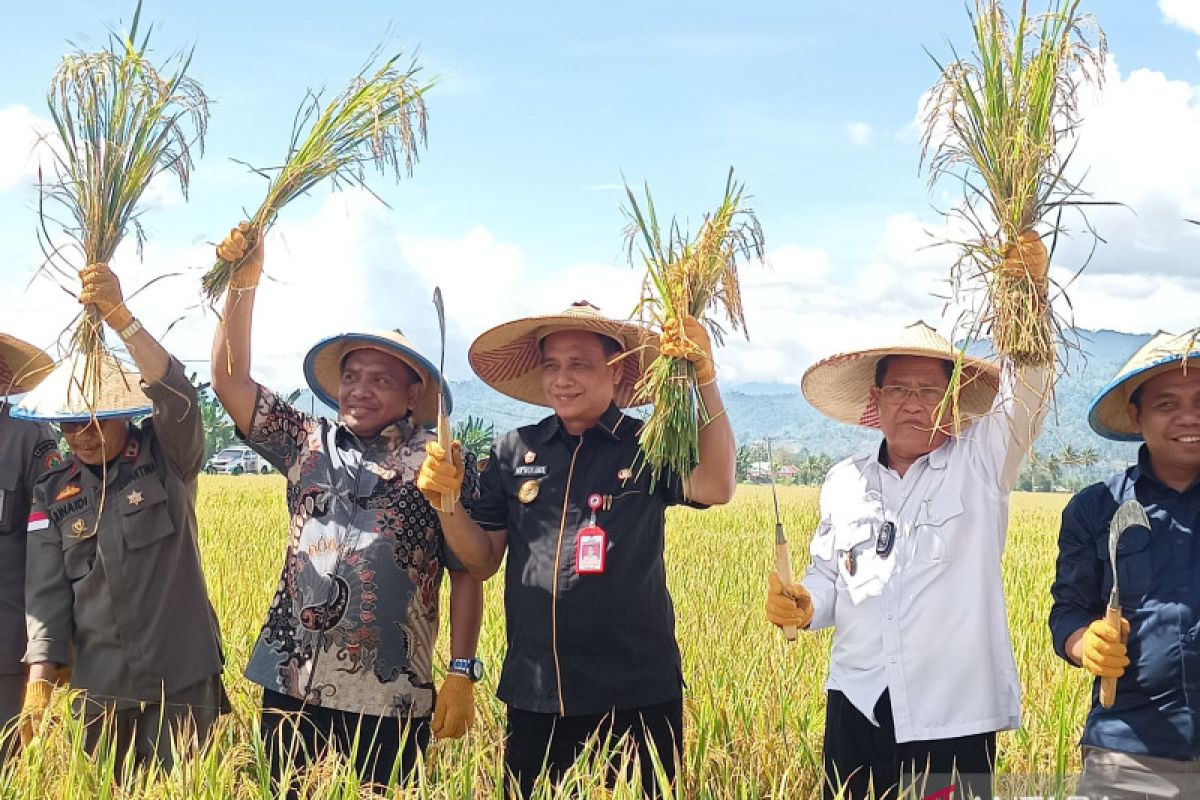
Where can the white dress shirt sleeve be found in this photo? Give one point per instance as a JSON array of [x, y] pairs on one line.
[[821, 577], [1001, 439]]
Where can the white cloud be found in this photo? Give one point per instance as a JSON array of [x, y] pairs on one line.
[[1184, 13], [860, 133], [350, 263], [20, 132], [1135, 146]]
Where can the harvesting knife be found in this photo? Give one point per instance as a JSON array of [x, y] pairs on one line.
[[1129, 514], [783, 559], [443, 420]]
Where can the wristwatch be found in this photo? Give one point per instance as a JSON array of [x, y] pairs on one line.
[[471, 668]]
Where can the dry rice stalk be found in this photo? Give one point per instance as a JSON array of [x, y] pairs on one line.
[[120, 122], [379, 118], [996, 122], [684, 277]]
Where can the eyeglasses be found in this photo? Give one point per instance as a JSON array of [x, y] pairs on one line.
[[926, 395]]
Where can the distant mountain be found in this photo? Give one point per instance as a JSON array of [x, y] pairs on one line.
[[778, 410]]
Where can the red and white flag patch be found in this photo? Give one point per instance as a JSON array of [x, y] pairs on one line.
[[38, 521]]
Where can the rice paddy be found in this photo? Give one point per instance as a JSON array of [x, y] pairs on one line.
[[754, 704]]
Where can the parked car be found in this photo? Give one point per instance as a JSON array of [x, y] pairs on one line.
[[236, 460]]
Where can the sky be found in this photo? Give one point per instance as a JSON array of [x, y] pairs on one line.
[[540, 112]]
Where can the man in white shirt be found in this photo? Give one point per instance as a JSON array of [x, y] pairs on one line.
[[906, 565]]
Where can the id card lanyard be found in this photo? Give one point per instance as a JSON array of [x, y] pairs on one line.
[[591, 543]]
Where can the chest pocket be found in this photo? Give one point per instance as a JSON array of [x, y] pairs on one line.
[[10, 480], [79, 555], [934, 538], [1134, 565], [78, 532], [144, 515]]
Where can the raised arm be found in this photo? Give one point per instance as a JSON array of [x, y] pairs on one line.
[[231, 379], [176, 406], [102, 289], [714, 479]]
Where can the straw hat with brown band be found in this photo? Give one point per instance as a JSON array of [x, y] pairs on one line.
[[1109, 414], [840, 386], [22, 366], [323, 368], [65, 396], [508, 357]]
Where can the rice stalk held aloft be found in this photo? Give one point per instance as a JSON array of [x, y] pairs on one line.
[[687, 277], [1000, 124], [379, 118], [120, 122]]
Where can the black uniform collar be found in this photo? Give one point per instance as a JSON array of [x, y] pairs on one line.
[[608, 425]]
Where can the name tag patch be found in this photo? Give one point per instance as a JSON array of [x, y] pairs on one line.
[[530, 469]]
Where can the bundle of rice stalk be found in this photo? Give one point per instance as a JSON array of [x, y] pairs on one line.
[[120, 121], [686, 277], [998, 123], [378, 118]]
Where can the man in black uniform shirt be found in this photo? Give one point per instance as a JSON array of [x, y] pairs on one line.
[[591, 627]]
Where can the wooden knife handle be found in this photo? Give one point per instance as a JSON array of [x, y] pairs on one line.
[[443, 437], [783, 565], [1108, 686]]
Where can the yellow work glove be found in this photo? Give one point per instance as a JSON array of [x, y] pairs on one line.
[[441, 476], [246, 255], [1103, 649], [102, 289], [687, 339], [454, 711], [37, 700], [1028, 256], [788, 605]]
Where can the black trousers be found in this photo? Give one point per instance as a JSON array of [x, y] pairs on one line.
[[295, 733], [857, 753], [538, 740]]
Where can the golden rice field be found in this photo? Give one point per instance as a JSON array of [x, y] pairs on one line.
[[755, 704]]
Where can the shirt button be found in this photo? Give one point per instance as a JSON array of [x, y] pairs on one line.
[[891, 659], [889, 615]]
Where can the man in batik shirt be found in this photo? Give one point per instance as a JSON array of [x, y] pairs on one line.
[[346, 652]]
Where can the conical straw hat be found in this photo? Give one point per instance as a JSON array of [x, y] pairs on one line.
[[323, 368], [840, 386], [508, 357], [22, 366], [65, 397], [1109, 414]]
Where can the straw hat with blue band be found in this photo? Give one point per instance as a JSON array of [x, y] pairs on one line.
[[840, 386], [1109, 414], [22, 366], [323, 368], [64, 395], [508, 357]]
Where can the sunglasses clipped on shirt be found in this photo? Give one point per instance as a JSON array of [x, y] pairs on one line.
[[926, 395]]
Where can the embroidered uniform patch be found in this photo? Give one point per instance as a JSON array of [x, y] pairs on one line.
[[38, 521], [67, 492]]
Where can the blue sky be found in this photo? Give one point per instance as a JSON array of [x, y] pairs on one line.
[[540, 111]]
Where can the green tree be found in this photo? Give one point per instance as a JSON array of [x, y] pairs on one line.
[[218, 427]]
